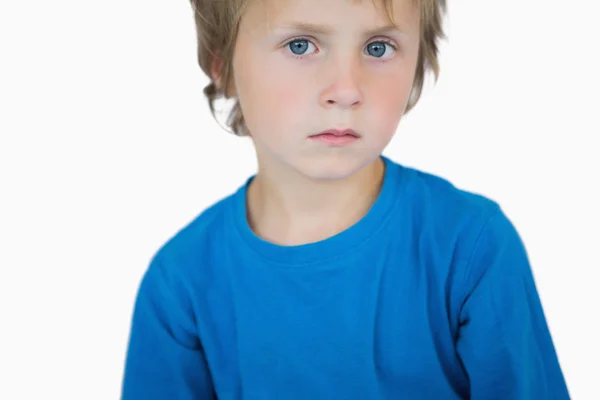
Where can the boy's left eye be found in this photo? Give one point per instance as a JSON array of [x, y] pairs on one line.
[[300, 46], [379, 49]]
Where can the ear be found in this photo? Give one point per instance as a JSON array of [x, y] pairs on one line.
[[215, 70], [216, 74]]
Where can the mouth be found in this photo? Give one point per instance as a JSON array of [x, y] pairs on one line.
[[338, 133], [336, 137]]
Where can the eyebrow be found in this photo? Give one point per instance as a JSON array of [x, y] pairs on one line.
[[327, 30]]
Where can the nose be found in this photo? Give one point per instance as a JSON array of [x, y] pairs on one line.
[[343, 87]]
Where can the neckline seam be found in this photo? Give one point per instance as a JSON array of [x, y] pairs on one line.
[[315, 262], [333, 252]]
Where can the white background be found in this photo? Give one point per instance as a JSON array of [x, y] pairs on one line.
[[107, 148]]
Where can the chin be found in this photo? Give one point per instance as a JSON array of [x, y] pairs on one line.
[[331, 168]]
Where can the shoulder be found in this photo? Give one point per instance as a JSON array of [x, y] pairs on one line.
[[196, 235], [478, 219], [186, 256], [458, 236], [470, 231], [437, 203], [459, 223]]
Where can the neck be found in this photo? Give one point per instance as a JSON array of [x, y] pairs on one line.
[[294, 210]]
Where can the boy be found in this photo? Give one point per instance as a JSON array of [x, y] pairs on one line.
[[335, 273]]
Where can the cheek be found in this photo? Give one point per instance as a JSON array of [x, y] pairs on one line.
[[285, 87], [389, 101], [279, 97], [272, 99]]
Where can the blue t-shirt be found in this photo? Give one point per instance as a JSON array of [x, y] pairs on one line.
[[429, 296]]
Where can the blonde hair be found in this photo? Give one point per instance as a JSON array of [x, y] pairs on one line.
[[217, 24]]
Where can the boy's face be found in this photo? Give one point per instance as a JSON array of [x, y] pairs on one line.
[[304, 67]]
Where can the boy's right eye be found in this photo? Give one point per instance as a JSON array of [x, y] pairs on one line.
[[299, 47]]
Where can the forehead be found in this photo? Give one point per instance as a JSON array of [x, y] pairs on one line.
[[346, 14]]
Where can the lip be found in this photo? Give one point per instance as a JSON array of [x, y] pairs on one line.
[[336, 137], [339, 132]]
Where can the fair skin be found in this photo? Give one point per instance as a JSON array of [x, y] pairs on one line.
[[304, 67]]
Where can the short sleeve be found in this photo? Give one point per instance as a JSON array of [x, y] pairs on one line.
[[164, 358], [504, 342]]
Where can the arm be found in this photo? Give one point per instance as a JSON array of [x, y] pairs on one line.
[[504, 342], [164, 358]]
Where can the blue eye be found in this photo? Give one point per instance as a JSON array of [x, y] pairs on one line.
[[378, 49], [298, 47]]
